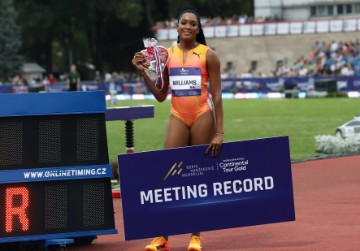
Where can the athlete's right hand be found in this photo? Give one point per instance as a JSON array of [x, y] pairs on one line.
[[137, 61]]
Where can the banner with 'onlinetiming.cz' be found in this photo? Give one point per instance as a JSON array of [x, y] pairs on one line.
[[183, 190]]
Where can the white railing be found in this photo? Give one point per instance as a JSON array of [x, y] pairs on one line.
[[271, 28]]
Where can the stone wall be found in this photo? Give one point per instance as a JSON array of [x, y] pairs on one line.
[[267, 50]]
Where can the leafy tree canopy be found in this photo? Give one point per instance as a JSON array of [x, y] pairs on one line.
[[10, 41], [104, 34]]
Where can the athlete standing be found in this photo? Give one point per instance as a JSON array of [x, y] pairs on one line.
[[196, 116]]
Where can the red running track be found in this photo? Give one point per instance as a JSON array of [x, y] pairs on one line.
[[327, 204]]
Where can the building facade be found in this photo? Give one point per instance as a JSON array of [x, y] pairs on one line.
[[306, 9]]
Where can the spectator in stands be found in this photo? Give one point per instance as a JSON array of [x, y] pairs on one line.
[[332, 59], [134, 77], [45, 81], [217, 21], [52, 79], [246, 74], [317, 46], [22, 86], [232, 72], [242, 19], [98, 79], [224, 74], [108, 77], [214, 21], [347, 70], [334, 46], [122, 76], [73, 80], [261, 74], [16, 80], [283, 70], [115, 76], [171, 23], [19, 80], [357, 65]]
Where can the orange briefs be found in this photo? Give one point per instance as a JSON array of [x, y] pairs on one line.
[[189, 117]]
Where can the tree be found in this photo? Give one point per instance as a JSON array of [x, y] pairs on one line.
[[10, 41], [101, 33], [48, 23]]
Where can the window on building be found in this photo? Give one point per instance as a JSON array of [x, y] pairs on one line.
[[340, 9], [321, 11], [348, 8], [357, 8], [330, 10], [313, 11]]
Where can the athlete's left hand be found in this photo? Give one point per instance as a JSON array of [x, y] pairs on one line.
[[215, 145]]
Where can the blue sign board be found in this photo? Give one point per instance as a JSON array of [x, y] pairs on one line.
[[183, 190]]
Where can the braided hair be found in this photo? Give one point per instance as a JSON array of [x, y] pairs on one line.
[[200, 37]]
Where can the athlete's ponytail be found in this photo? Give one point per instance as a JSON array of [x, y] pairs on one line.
[[200, 37]]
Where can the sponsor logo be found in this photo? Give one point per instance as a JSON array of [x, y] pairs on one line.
[[185, 170], [233, 165], [174, 170], [184, 71], [193, 93], [197, 54]]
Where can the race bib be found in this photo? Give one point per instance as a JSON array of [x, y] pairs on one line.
[[185, 81]]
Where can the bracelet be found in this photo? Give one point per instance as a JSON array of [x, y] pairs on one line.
[[219, 133]]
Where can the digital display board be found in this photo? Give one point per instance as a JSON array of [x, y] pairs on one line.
[[55, 140], [54, 167], [37, 208]]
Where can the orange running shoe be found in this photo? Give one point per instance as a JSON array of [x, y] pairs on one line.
[[195, 243], [158, 244]]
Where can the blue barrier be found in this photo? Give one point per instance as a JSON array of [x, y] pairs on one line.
[[236, 85], [305, 84], [6, 88]]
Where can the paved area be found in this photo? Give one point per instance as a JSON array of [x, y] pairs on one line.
[[327, 204]]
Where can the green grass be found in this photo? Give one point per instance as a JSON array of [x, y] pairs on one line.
[[300, 119]]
